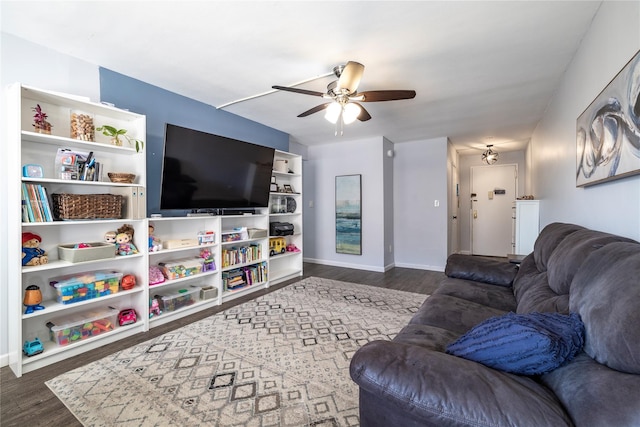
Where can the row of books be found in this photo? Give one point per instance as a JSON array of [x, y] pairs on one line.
[[241, 255], [246, 276], [35, 204]]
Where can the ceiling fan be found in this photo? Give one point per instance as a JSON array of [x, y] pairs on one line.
[[345, 107]]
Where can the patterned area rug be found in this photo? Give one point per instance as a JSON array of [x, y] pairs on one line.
[[281, 359]]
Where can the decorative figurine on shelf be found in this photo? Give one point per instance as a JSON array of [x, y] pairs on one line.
[[40, 122], [124, 245], [32, 254], [32, 299], [209, 263], [155, 244]]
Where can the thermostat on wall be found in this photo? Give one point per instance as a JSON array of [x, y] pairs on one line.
[[32, 171]]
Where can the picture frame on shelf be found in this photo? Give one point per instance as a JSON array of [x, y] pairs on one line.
[[286, 188]]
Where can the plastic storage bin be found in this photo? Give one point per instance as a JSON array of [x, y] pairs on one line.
[[181, 268], [84, 286], [179, 299], [82, 325], [95, 250]]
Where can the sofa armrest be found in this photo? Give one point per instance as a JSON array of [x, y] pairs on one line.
[[446, 390], [481, 269]]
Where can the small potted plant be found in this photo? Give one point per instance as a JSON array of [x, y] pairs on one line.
[[115, 135], [40, 122]]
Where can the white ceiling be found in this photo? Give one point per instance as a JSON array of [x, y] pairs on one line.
[[480, 69]]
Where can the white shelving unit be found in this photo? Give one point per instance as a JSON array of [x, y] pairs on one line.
[[27, 147], [185, 228], [287, 207]]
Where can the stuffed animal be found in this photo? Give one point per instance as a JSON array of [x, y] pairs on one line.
[[32, 254], [124, 245]]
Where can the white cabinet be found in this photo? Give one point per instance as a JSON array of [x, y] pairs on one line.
[[285, 205], [526, 225], [26, 147]]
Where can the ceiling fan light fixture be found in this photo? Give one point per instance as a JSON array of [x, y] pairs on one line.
[[333, 112], [489, 156], [350, 113]]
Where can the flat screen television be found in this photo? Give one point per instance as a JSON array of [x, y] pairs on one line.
[[203, 171]]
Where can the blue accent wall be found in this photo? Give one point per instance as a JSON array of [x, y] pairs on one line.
[[162, 106]]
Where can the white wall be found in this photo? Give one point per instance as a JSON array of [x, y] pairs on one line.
[[324, 163], [613, 207], [466, 162], [420, 178], [36, 66]]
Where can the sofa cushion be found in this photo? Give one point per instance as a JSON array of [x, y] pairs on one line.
[[481, 269], [452, 314], [594, 395], [499, 297], [530, 344], [549, 239], [605, 292], [532, 291], [565, 261]]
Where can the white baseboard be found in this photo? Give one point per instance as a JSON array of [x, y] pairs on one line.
[[4, 360], [464, 252], [372, 267], [421, 267], [345, 265]]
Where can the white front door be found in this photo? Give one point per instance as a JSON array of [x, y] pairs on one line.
[[495, 189]]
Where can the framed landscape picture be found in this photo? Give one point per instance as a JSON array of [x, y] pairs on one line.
[[608, 131], [349, 214]]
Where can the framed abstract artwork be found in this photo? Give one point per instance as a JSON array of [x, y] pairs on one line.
[[608, 131], [349, 214]]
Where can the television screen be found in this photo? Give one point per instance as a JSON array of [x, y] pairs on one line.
[[205, 171]]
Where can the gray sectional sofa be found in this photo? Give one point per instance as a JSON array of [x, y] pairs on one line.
[[412, 381]]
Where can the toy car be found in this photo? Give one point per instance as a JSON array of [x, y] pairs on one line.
[[31, 348], [277, 245], [128, 282], [127, 317]]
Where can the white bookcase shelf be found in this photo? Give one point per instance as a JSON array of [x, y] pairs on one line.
[[27, 147]]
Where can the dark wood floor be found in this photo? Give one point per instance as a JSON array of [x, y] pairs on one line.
[[27, 401]]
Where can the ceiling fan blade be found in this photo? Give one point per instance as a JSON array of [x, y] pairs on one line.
[[387, 95], [296, 90], [364, 114], [314, 110], [350, 76]]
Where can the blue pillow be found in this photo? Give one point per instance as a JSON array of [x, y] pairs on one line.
[[526, 344]]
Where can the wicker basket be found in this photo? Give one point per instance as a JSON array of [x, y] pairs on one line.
[[87, 206], [126, 178]]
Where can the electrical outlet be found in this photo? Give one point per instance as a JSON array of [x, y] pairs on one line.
[[436, 203]]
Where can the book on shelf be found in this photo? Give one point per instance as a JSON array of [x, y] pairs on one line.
[[36, 202]]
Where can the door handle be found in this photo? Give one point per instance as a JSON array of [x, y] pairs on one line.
[[454, 217], [475, 214]]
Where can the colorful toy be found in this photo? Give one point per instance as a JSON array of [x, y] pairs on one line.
[[64, 332], [128, 282], [209, 262], [124, 245], [127, 317], [32, 299], [155, 276], [206, 237], [110, 237], [292, 248], [154, 307], [32, 254], [84, 286], [155, 244], [277, 245], [31, 348]]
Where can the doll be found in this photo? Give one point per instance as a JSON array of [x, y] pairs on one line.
[[32, 254], [155, 244], [110, 237], [124, 245]]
